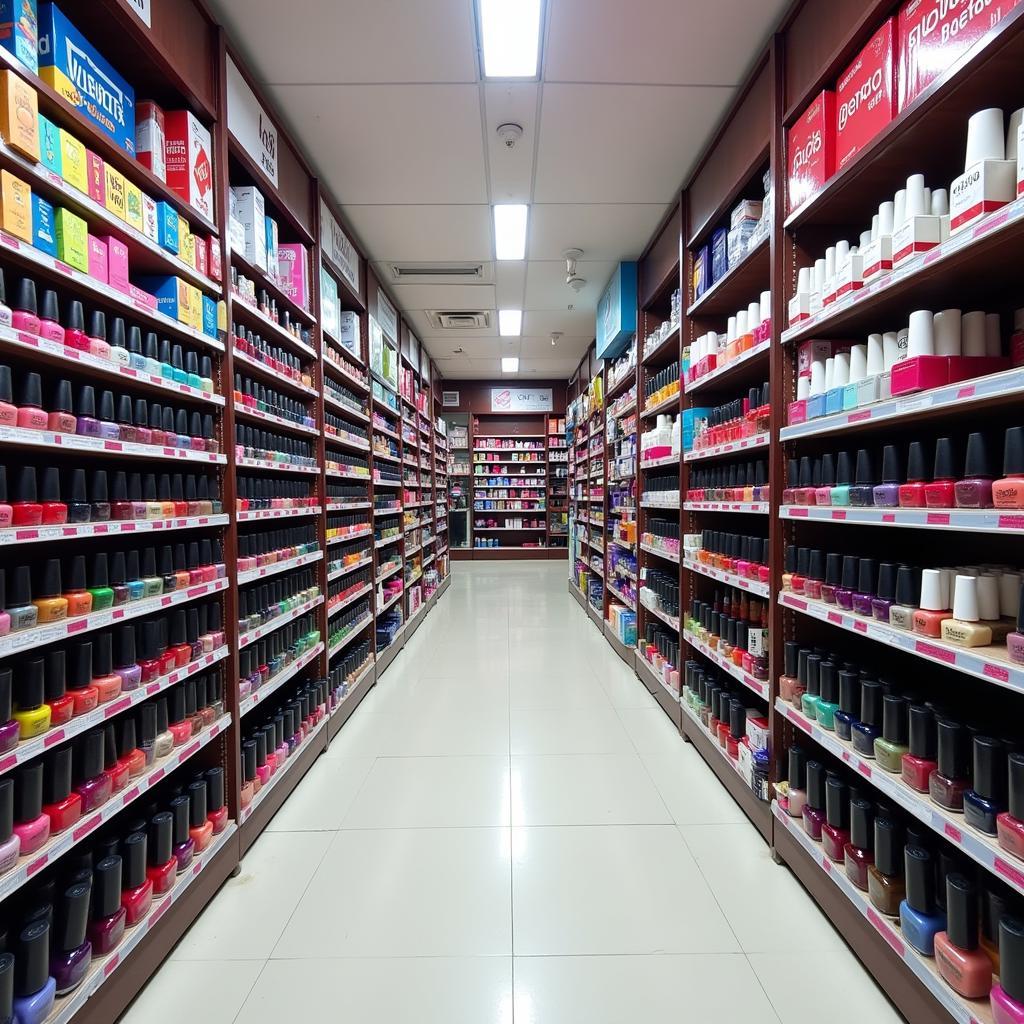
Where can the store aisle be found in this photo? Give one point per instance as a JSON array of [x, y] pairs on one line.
[[509, 829]]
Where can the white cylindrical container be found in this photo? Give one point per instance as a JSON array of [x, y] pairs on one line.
[[972, 334], [946, 330], [921, 339], [985, 137]]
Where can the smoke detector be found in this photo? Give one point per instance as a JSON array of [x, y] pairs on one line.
[[572, 279], [510, 133]]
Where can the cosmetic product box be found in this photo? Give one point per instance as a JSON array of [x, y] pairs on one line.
[[99, 259], [171, 293], [746, 210], [49, 145], [117, 264], [876, 257], [72, 240], [916, 235], [202, 255], [850, 277], [44, 228], [866, 94], [348, 330], [209, 316], [186, 245], [270, 226], [188, 149], [757, 730], [922, 373], [982, 188], [293, 272], [810, 352], [739, 242], [19, 30], [142, 298], [799, 308], [167, 227], [133, 213], [96, 172], [74, 163], [719, 254], [701, 272], [115, 196], [16, 206], [932, 34], [328, 304], [150, 138], [811, 150], [19, 115], [701, 368], [70, 64], [250, 213]]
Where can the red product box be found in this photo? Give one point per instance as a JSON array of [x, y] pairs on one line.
[[97, 175], [932, 34], [811, 150], [188, 150], [866, 95], [216, 269]]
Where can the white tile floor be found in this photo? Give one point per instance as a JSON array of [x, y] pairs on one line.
[[476, 848]]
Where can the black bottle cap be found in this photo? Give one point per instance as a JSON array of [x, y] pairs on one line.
[[25, 487], [98, 324], [961, 911], [6, 388], [6, 677], [989, 778], [850, 575], [197, 803], [62, 397], [248, 760], [837, 802], [147, 724], [1013, 452], [6, 808], [31, 688], [1011, 957], [891, 473], [76, 316], [26, 298], [815, 772], [994, 904], [977, 463], [944, 460], [865, 475], [833, 569], [871, 702], [28, 792], [952, 749], [179, 809], [791, 650], [57, 776], [916, 462], [32, 959], [813, 680], [862, 823], [87, 402], [91, 756], [816, 565], [908, 586], [125, 645], [919, 867], [894, 719], [161, 838], [73, 916], [888, 847], [126, 737], [109, 747], [922, 732], [827, 685], [107, 407], [797, 768], [78, 494], [106, 888], [6, 971], [828, 470], [866, 577], [215, 788], [102, 655], [1016, 777], [133, 853], [844, 469], [50, 488], [117, 336], [789, 558], [886, 589]]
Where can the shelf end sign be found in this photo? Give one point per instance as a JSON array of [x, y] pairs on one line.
[[521, 400], [250, 124], [143, 10]]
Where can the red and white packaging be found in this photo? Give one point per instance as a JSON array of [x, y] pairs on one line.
[[915, 235], [979, 191], [811, 150], [932, 34], [202, 256], [866, 95], [149, 137], [215, 268], [877, 257], [1020, 160], [188, 149]]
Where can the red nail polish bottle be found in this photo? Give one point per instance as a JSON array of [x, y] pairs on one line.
[[60, 803], [108, 916], [136, 888], [217, 810], [74, 332], [163, 865], [919, 762], [31, 415], [8, 410], [80, 688], [61, 419], [149, 652], [941, 492], [115, 769], [61, 703], [25, 509], [835, 832], [54, 511]]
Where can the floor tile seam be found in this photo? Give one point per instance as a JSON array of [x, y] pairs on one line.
[[711, 890], [259, 974], [490, 956]]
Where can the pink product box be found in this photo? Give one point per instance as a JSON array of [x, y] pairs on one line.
[[810, 352], [213, 258], [202, 257], [703, 368], [97, 174], [922, 373], [657, 452], [866, 95], [796, 412], [98, 260], [117, 264], [142, 298]]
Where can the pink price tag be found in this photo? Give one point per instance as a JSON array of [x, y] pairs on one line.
[[886, 932], [835, 618], [938, 653], [995, 671], [838, 513], [109, 966], [1009, 872], [54, 737], [798, 513], [63, 268], [953, 833], [858, 417], [864, 769], [86, 827], [937, 519]]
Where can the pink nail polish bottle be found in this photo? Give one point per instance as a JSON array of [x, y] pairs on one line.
[[25, 318], [5, 310], [1007, 998], [98, 335], [74, 333], [30, 407], [975, 490], [49, 318], [95, 785], [31, 826], [8, 410], [10, 844], [61, 419]]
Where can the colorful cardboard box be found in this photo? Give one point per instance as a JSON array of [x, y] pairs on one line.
[[216, 266], [99, 261], [293, 272], [44, 228], [74, 161], [96, 169], [188, 150], [167, 227], [19, 31], [72, 240], [49, 145], [866, 94], [209, 327], [202, 256], [133, 206], [72, 66], [149, 218], [116, 199], [186, 245], [171, 294], [150, 138], [811, 150], [16, 206], [19, 114], [117, 263], [249, 209]]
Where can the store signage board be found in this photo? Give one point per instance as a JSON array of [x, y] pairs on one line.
[[387, 316], [250, 124], [521, 400], [338, 248], [616, 312], [143, 10]]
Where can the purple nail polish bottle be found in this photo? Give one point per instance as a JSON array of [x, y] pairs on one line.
[[887, 493], [848, 585], [886, 592], [10, 730], [864, 480], [975, 490], [866, 590], [109, 429], [72, 951], [184, 847], [86, 423], [125, 664], [34, 989]]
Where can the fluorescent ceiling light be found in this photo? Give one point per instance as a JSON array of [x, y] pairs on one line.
[[510, 322], [510, 37], [510, 364], [510, 231]]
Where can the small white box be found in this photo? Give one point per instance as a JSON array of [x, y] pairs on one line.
[[799, 308], [851, 277], [915, 235], [877, 257], [348, 330], [987, 186], [250, 210], [149, 217]]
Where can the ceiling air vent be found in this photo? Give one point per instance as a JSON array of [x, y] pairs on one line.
[[439, 273], [459, 319]]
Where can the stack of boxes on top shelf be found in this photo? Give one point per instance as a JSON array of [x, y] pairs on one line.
[[749, 226]]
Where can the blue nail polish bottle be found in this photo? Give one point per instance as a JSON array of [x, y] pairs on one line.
[[868, 729], [920, 919], [34, 989], [849, 703], [987, 797]]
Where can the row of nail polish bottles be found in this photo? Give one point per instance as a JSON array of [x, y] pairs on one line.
[[254, 443], [351, 583], [338, 426], [257, 397], [347, 621], [661, 652], [261, 603], [262, 661], [737, 481], [274, 357], [268, 547], [260, 493], [741, 554]]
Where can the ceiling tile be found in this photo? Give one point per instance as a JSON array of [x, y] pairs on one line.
[[391, 144], [585, 157], [610, 41], [577, 323], [511, 168], [510, 283], [541, 348], [546, 287], [423, 233], [353, 41], [608, 232], [445, 296]]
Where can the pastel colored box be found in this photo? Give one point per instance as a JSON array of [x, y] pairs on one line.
[[72, 240], [19, 114], [202, 263], [19, 31], [142, 298], [167, 227], [187, 246], [72, 66], [44, 235], [133, 214], [16, 202], [866, 95], [116, 200], [216, 267], [188, 150], [49, 145], [811, 150], [117, 263], [97, 171], [149, 217], [74, 167], [99, 260]]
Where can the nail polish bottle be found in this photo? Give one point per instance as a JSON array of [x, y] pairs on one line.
[[1007, 997], [184, 848], [10, 730], [143, 435], [80, 688], [995, 904], [125, 421], [200, 828], [859, 851], [74, 328], [887, 493], [125, 666], [920, 760], [178, 374], [106, 928], [119, 353], [948, 783], [908, 595], [217, 810], [911, 494], [30, 712], [835, 832], [115, 769], [848, 585], [828, 705], [61, 419], [76, 594], [54, 511], [975, 490], [891, 746], [98, 335], [153, 583], [797, 782], [133, 577], [61, 804], [986, 799], [24, 317], [865, 481], [833, 577], [248, 772], [940, 493], [34, 988], [965, 628], [30, 406], [789, 683], [163, 865], [812, 692], [31, 826], [6, 511], [164, 737], [805, 491], [844, 474], [78, 509], [866, 731], [137, 889], [1009, 491], [867, 588], [935, 603], [823, 492], [920, 919], [10, 842], [108, 428], [886, 888], [101, 594], [72, 951], [50, 606], [1010, 824], [180, 725], [965, 968], [26, 509], [94, 785], [8, 410], [885, 595]]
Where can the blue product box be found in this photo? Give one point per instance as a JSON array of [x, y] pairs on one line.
[[71, 65], [167, 233], [701, 272], [628, 623], [165, 289], [209, 317], [19, 31], [49, 146], [719, 255], [815, 407], [44, 226], [833, 401], [692, 419], [850, 396]]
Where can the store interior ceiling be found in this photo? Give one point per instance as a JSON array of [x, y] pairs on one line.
[[390, 104]]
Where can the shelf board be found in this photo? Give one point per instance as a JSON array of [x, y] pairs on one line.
[[251, 575], [253, 315], [335, 574], [341, 605], [757, 508], [670, 403], [276, 421], [669, 556], [271, 375], [619, 596], [987, 520], [731, 578], [113, 528], [670, 620], [278, 467], [21, 437], [729, 448], [663, 351], [737, 673], [665, 460], [276, 682], [741, 285], [660, 506]]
